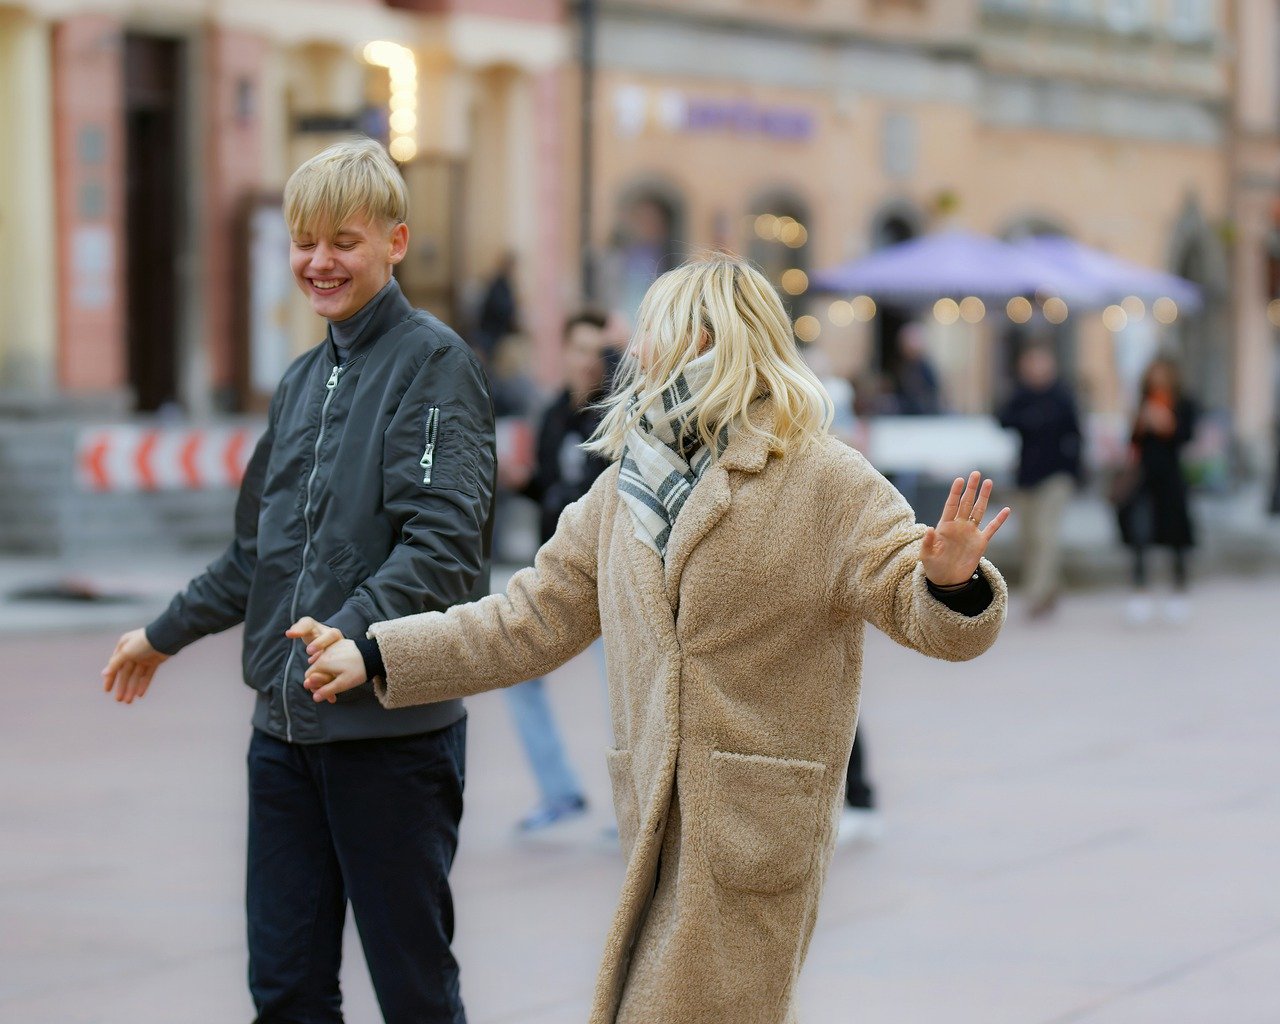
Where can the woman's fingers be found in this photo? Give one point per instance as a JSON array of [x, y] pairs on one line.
[[952, 506], [980, 506], [996, 523], [330, 690], [324, 638], [970, 495]]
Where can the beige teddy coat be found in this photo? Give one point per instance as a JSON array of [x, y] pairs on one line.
[[734, 673]]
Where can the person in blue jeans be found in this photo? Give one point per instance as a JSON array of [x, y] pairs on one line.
[[563, 472]]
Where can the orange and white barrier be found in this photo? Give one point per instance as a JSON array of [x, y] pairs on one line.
[[132, 458]]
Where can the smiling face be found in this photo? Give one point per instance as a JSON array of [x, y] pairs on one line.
[[342, 269]]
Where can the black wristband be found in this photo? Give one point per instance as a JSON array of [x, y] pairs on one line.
[[971, 598], [373, 666]]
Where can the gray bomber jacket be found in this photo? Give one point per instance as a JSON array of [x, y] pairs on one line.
[[369, 497]]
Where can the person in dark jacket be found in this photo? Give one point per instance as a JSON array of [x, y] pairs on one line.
[[348, 801], [1157, 511], [1043, 411], [499, 313], [563, 472]]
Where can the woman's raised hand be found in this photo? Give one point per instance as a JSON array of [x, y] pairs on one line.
[[951, 550]]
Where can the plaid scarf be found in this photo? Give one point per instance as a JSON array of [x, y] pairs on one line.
[[662, 464]]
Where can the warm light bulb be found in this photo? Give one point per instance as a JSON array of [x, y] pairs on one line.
[[808, 328], [795, 281], [1115, 318], [403, 149]]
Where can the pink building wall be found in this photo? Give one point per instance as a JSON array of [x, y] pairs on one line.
[[232, 145], [88, 97]]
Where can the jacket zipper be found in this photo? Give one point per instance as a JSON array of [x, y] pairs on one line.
[[429, 452], [330, 387]]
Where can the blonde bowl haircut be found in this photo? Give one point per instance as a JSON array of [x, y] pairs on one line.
[[349, 179], [725, 303]]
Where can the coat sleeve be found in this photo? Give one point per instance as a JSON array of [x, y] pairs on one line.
[[216, 599], [440, 522], [549, 613], [880, 578]]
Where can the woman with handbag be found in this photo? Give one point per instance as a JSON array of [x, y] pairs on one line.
[[1154, 507], [731, 555]]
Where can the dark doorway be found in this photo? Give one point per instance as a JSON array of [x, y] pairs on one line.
[[153, 215], [890, 319]]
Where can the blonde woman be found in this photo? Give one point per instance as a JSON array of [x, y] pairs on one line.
[[730, 556]]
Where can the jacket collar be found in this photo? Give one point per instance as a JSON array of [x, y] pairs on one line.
[[393, 307], [749, 453]]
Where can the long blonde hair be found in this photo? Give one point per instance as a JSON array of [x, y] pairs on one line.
[[722, 302]]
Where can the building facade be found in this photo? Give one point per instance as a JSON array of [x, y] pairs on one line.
[[147, 146], [1110, 121]]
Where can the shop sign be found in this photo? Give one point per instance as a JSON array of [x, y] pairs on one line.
[[745, 117], [635, 107]]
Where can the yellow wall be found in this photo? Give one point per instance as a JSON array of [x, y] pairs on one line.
[[28, 329]]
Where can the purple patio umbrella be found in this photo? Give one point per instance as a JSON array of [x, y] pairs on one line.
[[1113, 277], [953, 264]]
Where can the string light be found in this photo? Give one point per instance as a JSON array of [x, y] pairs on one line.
[[1273, 312], [1055, 310], [1019, 309], [402, 70], [795, 281], [1165, 310], [841, 313], [946, 311], [864, 308], [972, 309], [1115, 318], [1135, 309], [807, 328]]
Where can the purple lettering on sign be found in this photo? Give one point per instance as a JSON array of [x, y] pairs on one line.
[[745, 117]]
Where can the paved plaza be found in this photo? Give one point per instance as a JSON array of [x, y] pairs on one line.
[[1082, 827]]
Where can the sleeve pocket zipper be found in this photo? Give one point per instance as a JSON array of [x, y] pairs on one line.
[[428, 459]]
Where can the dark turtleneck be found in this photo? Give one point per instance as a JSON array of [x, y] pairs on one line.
[[345, 333]]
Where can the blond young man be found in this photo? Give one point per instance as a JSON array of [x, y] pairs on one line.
[[368, 497]]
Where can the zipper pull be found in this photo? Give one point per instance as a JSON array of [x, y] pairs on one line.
[[429, 452], [333, 378]]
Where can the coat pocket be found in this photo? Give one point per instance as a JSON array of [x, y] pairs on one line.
[[625, 802], [765, 818]]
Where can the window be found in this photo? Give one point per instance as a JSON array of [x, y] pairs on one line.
[[1128, 15], [1080, 11], [1191, 20]]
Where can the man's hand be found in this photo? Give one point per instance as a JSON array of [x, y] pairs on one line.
[[131, 667], [951, 550], [339, 668], [318, 636]]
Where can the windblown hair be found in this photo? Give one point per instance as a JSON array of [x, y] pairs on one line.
[[722, 302], [348, 179]]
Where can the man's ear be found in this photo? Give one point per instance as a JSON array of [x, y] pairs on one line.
[[399, 242]]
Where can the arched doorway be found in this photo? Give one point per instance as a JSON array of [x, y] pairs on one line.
[[779, 244], [1011, 337], [1201, 341], [647, 239], [892, 225]]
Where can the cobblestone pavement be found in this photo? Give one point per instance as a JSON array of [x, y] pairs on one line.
[[1082, 827]]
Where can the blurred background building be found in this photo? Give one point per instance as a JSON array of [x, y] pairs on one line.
[[598, 142]]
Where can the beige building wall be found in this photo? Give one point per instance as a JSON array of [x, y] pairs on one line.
[[28, 262], [1135, 156]]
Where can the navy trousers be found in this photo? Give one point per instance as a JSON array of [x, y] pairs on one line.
[[370, 821]]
